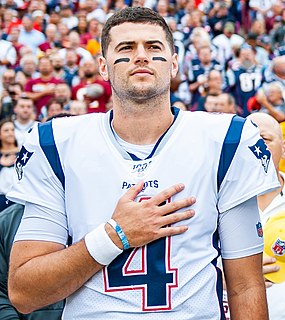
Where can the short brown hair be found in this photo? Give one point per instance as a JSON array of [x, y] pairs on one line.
[[134, 15]]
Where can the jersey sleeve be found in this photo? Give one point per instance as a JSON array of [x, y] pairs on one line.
[[251, 171], [36, 179], [243, 223]]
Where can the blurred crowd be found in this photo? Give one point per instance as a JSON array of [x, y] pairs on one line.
[[231, 55]]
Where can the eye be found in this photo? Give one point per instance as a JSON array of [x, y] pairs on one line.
[[154, 47], [125, 48]]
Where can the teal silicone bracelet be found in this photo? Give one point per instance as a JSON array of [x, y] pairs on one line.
[[120, 233]]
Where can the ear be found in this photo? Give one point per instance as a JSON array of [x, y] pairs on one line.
[[175, 67], [103, 68]]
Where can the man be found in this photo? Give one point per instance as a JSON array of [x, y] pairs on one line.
[[245, 77], [58, 64], [276, 72], [210, 103], [213, 86], [24, 118], [141, 166], [261, 55], [272, 101], [226, 41], [62, 72], [29, 36], [92, 89], [50, 45], [71, 68], [41, 89], [271, 204], [226, 103], [67, 16], [198, 73], [74, 43], [54, 108], [62, 93], [28, 69]]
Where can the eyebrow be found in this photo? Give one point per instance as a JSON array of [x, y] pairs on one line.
[[123, 43]]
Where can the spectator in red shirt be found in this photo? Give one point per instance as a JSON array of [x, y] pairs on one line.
[[49, 46], [41, 89], [92, 88]]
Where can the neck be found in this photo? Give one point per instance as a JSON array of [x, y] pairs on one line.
[[23, 121], [91, 79], [276, 103], [46, 77], [264, 200], [206, 64], [8, 147], [141, 123]]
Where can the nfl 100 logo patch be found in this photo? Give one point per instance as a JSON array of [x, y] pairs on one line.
[[278, 247], [140, 168]]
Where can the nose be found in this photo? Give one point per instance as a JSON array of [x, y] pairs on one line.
[[141, 55]]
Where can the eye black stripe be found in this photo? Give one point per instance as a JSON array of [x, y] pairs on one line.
[[122, 60], [159, 58]]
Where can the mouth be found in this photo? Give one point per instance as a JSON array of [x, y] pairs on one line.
[[141, 72]]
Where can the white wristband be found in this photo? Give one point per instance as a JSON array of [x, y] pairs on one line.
[[100, 246]]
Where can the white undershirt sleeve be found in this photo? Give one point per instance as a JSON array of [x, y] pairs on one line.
[[238, 230], [42, 224]]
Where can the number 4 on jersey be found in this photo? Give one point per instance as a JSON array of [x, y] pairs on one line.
[[147, 269]]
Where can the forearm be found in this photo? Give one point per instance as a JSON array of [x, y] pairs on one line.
[[5, 62], [248, 303], [35, 95], [51, 277], [246, 288], [194, 86]]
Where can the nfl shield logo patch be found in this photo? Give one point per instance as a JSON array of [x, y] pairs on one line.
[[259, 229], [278, 247]]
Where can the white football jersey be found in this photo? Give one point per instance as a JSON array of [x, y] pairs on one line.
[[76, 168]]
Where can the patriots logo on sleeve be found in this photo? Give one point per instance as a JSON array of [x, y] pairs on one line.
[[22, 160], [262, 153]]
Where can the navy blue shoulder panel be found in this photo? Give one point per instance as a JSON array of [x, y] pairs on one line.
[[229, 148], [48, 146]]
